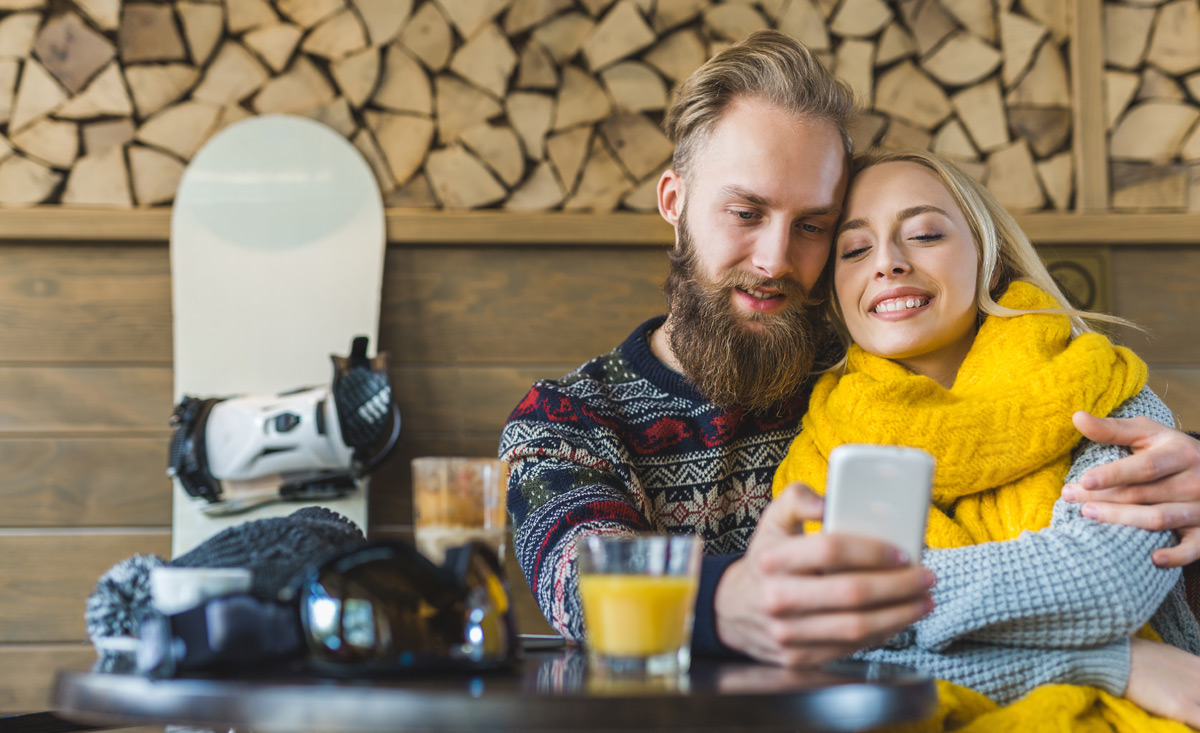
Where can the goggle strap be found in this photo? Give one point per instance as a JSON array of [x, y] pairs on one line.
[[237, 629]]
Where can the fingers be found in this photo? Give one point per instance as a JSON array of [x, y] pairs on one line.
[[1139, 468], [1161, 454], [1167, 490], [827, 553], [860, 628], [850, 630], [1154, 517], [807, 655], [794, 506], [792, 595], [1185, 553], [817, 638], [1116, 430], [1164, 680]]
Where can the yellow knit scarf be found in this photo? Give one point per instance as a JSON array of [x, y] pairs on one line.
[[1002, 437]]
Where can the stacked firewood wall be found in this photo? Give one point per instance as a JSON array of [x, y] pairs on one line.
[[557, 104], [1152, 103]]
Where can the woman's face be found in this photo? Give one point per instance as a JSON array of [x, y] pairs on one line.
[[905, 267]]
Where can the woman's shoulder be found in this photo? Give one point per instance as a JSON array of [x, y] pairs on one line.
[[1145, 404]]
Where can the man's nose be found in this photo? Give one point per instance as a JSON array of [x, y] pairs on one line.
[[773, 252]]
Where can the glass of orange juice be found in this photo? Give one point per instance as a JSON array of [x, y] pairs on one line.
[[638, 595]]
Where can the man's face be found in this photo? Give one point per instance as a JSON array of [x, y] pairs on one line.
[[754, 226], [762, 199]]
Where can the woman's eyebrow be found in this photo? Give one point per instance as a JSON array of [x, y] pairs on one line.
[[851, 224], [922, 209], [908, 213]]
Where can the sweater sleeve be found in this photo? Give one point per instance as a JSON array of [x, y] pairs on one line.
[[568, 475], [1078, 583], [1007, 673]]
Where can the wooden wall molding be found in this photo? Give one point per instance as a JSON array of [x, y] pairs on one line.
[[408, 227], [1090, 141]]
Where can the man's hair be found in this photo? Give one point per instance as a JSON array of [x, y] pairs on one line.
[[766, 65]]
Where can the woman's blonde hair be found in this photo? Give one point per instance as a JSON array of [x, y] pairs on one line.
[[1005, 253]]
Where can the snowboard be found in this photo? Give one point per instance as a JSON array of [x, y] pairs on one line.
[[277, 248]]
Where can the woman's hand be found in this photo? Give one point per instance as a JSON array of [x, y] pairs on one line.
[[1156, 488], [1165, 681]]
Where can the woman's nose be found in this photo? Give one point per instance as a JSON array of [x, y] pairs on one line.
[[890, 261]]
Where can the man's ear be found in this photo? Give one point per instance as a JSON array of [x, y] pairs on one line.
[[670, 196]]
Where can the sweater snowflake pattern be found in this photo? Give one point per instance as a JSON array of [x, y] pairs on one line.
[[624, 444]]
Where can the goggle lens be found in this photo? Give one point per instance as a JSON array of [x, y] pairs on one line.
[[379, 608]]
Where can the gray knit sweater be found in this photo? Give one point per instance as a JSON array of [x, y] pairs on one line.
[[1053, 606]]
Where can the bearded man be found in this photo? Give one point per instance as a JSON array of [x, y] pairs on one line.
[[679, 429]]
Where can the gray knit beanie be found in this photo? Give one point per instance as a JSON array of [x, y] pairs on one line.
[[274, 550]]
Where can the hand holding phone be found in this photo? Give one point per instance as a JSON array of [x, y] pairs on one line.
[[881, 492]]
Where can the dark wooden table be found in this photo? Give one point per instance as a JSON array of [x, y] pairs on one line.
[[553, 690]]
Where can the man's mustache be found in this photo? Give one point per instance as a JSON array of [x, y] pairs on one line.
[[746, 281]]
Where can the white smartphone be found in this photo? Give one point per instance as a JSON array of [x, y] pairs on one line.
[[880, 491]]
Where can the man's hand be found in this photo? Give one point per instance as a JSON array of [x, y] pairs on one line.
[[797, 599], [1156, 488], [1165, 681]]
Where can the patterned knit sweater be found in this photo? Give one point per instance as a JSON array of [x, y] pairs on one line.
[[625, 444]]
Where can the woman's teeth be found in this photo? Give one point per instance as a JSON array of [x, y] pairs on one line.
[[891, 306]]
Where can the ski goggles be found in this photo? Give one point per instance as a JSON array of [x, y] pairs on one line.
[[381, 608]]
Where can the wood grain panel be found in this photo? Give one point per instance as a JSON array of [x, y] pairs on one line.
[[550, 228], [79, 303], [86, 399], [45, 579], [1123, 229], [59, 223], [1087, 97], [82, 482], [473, 399], [1157, 289], [1179, 387], [27, 673], [516, 305], [547, 229], [447, 411], [390, 500]]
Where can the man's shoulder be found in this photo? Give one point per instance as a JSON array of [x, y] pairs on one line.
[[623, 365], [576, 394]]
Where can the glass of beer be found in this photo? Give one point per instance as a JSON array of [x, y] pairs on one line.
[[638, 595], [457, 500]]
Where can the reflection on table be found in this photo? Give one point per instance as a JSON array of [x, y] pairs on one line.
[[552, 690]]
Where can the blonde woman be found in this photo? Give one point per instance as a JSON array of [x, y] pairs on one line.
[[963, 345]]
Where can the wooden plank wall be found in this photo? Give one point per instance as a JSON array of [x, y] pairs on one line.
[[85, 392]]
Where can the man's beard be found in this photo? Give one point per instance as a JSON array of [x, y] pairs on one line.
[[750, 360]]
